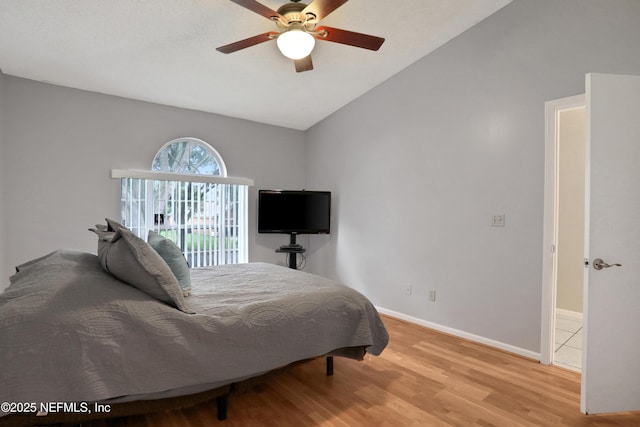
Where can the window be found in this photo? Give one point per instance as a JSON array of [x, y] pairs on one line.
[[189, 155], [188, 198]]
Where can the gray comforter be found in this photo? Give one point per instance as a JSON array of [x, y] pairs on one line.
[[71, 332]]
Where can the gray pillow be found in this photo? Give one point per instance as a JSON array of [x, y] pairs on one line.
[[135, 262], [104, 238], [105, 233], [173, 256], [112, 225]]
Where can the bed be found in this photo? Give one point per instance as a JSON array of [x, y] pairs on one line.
[[71, 331]]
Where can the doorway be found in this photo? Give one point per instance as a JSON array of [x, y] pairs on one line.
[[570, 216], [564, 228], [610, 373]]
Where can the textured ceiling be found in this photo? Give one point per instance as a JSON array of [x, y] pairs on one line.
[[163, 51]]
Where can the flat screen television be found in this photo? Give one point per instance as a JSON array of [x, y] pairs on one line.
[[294, 212]]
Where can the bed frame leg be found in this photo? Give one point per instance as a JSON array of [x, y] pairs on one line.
[[329, 366], [222, 403]]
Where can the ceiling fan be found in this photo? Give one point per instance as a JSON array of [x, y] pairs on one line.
[[297, 24]]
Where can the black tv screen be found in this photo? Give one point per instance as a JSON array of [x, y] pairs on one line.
[[294, 212]]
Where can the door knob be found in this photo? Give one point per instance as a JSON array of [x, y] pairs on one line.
[[599, 264]]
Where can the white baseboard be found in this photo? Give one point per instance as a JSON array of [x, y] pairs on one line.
[[462, 334], [574, 315]]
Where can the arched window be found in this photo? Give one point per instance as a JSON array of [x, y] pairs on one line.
[[188, 198], [189, 155]]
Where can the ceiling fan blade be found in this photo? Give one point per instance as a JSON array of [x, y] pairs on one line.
[[322, 8], [304, 64], [243, 44], [350, 38], [259, 8]]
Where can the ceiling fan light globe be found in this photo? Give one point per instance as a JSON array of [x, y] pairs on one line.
[[296, 44]]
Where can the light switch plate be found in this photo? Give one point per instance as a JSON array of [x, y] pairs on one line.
[[498, 220]]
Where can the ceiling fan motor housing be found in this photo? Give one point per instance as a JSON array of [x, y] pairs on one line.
[[291, 11]]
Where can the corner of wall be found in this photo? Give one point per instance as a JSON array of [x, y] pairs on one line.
[[3, 280]]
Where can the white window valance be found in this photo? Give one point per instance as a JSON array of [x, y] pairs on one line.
[[182, 177]]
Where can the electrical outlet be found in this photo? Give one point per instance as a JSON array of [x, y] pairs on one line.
[[407, 290], [432, 295], [498, 220]]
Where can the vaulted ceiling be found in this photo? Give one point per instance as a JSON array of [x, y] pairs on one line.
[[164, 51]]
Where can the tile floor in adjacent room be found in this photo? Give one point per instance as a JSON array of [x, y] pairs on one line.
[[568, 342]]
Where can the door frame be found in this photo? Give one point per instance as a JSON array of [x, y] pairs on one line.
[[550, 230]]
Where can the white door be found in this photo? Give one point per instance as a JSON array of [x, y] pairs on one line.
[[611, 359]]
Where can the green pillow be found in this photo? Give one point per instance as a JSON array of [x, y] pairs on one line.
[[174, 257]]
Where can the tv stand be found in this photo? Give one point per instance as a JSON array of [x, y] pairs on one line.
[[293, 249]]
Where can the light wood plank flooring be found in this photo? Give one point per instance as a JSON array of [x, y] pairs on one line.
[[423, 378]]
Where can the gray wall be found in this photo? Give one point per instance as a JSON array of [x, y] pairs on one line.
[[2, 179], [60, 145], [419, 165]]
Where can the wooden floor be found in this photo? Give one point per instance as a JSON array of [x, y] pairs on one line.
[[423, 378]]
